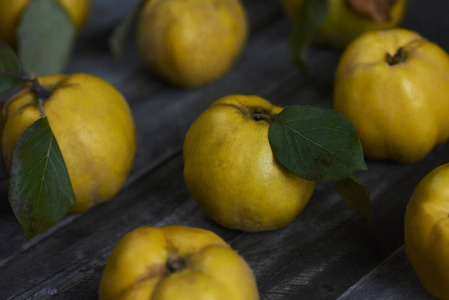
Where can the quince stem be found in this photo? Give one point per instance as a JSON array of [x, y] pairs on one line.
[[41, 93], [175, 264], [399, 57], [262, 117]]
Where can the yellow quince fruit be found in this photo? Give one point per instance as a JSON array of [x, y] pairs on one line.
[[93, 126], [231, 172], [191, 42], [176, 262], [393, 86], [426, 229], [347, 19]]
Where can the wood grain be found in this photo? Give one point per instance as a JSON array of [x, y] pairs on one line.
[[328, 252]]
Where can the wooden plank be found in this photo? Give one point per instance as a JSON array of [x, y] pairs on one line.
[[300, 260], [83, 245], [327, 251], [162, 113], [393, 279], [327, 229]]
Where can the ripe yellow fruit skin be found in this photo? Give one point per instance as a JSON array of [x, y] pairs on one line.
[[400, 111], [93, 126], [191, 42], [426, 228], [342, 25], [11, 11], [230, 169], [138, 267]]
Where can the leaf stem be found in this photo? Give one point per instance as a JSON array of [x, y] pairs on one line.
[[41, 92]]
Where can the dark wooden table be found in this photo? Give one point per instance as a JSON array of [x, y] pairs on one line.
[[328, 252]]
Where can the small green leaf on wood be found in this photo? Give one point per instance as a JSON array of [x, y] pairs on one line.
[[40, 192], [45, 36], [310, 16], [117, 41], [356, 195], [10, 69], [316, 143]]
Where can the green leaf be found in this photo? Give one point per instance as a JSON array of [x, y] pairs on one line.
[[40, 192], [356, 195], [310, 16], [10, 69], [316, 143], [118, 39], [45, 36]]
